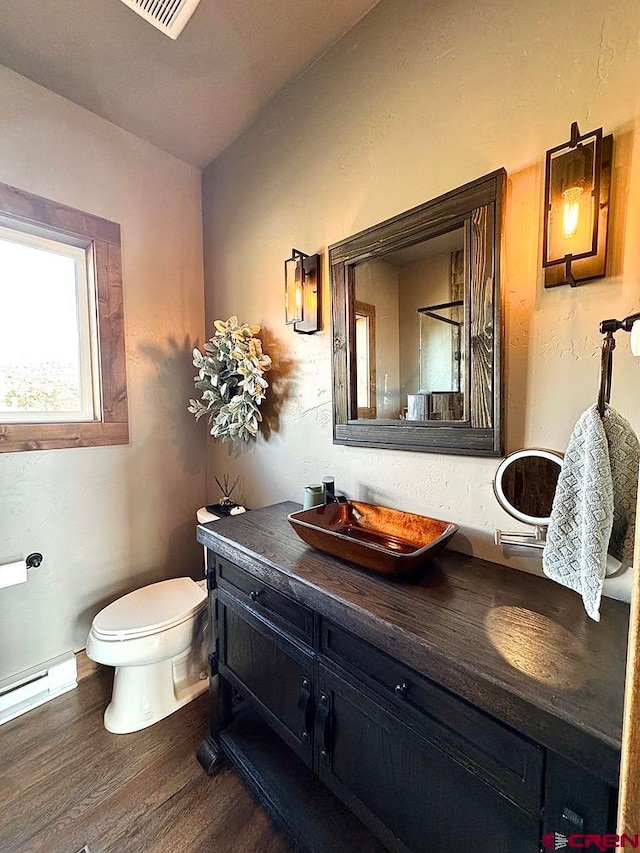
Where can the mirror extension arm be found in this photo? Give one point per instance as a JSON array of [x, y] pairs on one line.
[[523, 539]]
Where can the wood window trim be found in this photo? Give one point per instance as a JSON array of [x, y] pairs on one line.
[[103, 237]]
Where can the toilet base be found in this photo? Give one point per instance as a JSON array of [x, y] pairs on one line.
[[143, 695]]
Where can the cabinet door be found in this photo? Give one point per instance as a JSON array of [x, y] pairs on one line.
[[270, 670], [413, 795]]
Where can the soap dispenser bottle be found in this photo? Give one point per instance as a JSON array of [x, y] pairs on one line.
[[328, 490]]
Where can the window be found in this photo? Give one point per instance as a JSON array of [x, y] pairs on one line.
[[62, 360], [48, 343], [366, 391]]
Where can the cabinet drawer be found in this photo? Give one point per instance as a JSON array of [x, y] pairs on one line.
[[509, 762], [278, 608]]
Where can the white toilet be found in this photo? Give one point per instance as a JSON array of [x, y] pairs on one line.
[[156, 638]]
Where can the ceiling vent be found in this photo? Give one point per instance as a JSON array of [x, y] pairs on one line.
[[169, 16]]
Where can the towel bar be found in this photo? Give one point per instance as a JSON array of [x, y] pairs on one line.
[[608, 328]]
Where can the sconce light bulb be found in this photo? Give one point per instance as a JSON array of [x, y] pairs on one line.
[[299, 301], [570, 211]]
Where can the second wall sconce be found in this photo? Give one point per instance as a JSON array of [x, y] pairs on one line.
[[576, 198], [302, 292]]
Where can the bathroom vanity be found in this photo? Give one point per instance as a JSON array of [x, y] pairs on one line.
[[474, 709]]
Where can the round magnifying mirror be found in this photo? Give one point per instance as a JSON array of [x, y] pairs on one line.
[[525, 484]]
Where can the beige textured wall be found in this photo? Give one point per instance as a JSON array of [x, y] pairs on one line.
[[417, 99], [107, 519]]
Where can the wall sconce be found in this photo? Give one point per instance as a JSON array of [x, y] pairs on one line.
[[302, 292], [576, 199]]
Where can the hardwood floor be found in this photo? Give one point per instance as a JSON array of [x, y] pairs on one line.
[[66, 782]]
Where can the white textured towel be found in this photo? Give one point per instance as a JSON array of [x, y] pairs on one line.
[[594, 505]]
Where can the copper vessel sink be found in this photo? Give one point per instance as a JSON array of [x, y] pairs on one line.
[[387, 541]]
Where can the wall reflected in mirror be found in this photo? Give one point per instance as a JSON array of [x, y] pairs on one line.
[[410, 332]]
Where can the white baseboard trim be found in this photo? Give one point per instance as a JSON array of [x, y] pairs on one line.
[[33, 687]]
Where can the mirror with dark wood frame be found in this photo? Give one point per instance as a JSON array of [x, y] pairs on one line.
[[417, 344]]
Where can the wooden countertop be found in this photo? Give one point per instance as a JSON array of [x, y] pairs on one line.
[[518, 646]]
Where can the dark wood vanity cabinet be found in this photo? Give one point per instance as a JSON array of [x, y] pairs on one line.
[[414, 795], [412, 764]]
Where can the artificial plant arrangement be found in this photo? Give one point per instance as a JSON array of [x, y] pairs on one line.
[[231, 380], [227, 490], [226, 505]]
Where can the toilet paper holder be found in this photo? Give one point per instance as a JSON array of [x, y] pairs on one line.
[[12, 574]]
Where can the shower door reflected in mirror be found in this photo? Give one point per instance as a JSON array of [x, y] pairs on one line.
[[442, 337]]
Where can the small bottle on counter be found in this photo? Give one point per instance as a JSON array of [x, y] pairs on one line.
[[312, 497]]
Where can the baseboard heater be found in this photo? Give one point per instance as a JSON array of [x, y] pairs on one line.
[[33, 687]]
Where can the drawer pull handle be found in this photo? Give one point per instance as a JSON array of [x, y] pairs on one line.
[[305, 706], [573, 818], [401, 689], [254, 595], [323, 726]]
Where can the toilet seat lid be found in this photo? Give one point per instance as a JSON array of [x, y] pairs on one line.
[[150, 609]]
